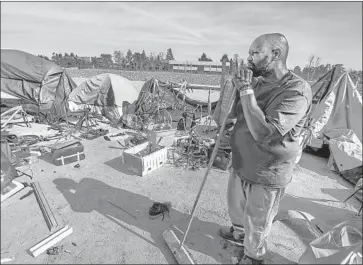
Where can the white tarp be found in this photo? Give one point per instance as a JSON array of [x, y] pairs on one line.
[[336, 119], [345, 149], [106, 94], [340, 108]]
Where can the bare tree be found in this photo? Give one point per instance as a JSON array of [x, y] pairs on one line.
[[311, 61], [316, 65]]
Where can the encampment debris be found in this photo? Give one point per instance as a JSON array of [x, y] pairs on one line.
[[54, 250], [7, 260], [336, 120]]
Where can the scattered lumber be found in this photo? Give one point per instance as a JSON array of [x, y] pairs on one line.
[[49, 217], [50, 241], [18, 196], [14, 111], [6, 260], [15, 187]]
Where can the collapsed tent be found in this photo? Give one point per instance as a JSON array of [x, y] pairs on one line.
[[35, 80], [197, 97], [106, 94], [336, 120], [174, 100]]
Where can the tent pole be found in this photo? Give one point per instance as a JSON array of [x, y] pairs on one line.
[[67, 118]]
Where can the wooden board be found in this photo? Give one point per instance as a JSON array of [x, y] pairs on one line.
[[18, 187], [50, 241], [180, 254], [49, 217]]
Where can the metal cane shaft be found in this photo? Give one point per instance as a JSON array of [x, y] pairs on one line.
[[214, 153]]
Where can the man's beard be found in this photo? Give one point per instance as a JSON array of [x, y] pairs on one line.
[[262, 69]]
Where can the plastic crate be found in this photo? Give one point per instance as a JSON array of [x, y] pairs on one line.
[[167, 137], [144, 165]]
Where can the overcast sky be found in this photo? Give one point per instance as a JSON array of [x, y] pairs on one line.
[[330, 30]]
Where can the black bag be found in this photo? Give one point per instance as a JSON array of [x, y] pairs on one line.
[[67, 152]]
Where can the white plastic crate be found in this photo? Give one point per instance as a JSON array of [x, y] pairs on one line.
[[166, 135], [144, 165]]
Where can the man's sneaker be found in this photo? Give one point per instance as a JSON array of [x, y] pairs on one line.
[[158, 209], [229, 234], [248, 260]]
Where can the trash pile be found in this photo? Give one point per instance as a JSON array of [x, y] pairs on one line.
[[191, 151]]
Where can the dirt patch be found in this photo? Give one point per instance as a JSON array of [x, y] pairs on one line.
[[104, 233]]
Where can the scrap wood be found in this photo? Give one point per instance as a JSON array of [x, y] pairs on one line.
[[193, 153], [108, 137], [23, 173], [7, 259], [16, 197], [50, 241], [15, 110], [49, 217], [55, 250], [16, 187], [27, 140]]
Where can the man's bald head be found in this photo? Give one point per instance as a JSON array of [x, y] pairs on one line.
[[268, 52], [273, 41]]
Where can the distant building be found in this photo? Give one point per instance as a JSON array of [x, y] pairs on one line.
[[85, 60], [85, 65], [68, 61], [197, 66]]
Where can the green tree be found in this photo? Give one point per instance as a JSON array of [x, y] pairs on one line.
[[151, 61], [136, 58], [169, 55], [128, 61], [143, 60], [118, 57], [161, 61], [204, 58], [55, 58], [107, 60], [143, 55], [225, 56]]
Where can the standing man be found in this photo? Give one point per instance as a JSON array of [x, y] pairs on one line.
[[271, 108]]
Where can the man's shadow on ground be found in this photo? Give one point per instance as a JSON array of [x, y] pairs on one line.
[[92, 195]]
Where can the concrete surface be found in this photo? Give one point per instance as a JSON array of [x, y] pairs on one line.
[[104, 233]]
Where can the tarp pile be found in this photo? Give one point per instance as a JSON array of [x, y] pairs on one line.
[[106, 94], [336, 119], [175, 100], [37, 81]]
